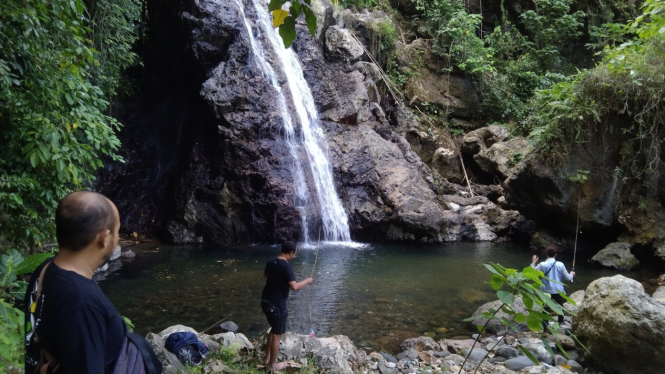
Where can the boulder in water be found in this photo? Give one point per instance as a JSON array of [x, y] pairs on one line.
[[616, 255], [423, 343], [622, 327]]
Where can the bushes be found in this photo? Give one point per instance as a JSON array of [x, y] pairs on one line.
[[58, 68]]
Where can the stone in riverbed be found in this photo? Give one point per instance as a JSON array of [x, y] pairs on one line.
[[566, 341], [475, 354], [616, 255], [578, 297], [409, 354], [507, 351], [423, 343], [388, 357], [518, 363], [659, 295], [541, 369], [456, 346], [575, 367], [539, 351]]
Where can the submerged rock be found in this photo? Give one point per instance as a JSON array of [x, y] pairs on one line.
[[621, 326], [616, 255]]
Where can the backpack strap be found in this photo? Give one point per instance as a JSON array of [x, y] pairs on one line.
[[47, 362], [150, 360], [548, 270]]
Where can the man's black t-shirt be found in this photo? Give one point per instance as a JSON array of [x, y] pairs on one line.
[[74, 320], [279, 273]]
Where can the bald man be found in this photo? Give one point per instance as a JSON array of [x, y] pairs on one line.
[[72, 319]]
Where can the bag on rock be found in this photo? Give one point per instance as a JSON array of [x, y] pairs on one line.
[[186, 347]]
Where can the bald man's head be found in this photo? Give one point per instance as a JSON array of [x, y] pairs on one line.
[[80, 217]]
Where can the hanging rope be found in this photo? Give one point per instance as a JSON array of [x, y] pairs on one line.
[[309, 304], [577, 229]]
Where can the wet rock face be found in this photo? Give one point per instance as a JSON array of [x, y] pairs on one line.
[[621, 325], [228, 178]]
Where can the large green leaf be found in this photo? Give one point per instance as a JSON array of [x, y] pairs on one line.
[[18, 290], [497, 281], [275, 4], [520, 317], [310, 18], [547, 299], [534, 322], [31, 263], [288, 31], [8, 263], [568, 299], [505, 297]]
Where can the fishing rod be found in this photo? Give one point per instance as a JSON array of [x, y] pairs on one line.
[[577, 230]]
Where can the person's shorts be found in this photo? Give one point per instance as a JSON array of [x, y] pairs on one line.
[[276, 317]]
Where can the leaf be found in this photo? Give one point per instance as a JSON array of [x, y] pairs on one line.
[[534, 322], [275, 4], [33, 159], [556, 308], [295, 9], [547, 346], [568, 299], [480, 328], [506, 297], [497, 281], [310, 18], [31, 263], [528, 354], [70, 101], [288, 31], [520, 317], [278, 16], [563, 351], [18, 289]]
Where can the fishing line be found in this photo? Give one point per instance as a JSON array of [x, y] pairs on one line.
[[309, 304], [577, 230]]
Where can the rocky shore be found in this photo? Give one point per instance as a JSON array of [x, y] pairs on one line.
[[616, 328]]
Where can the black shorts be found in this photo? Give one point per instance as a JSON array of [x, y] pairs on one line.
[[276, 317]]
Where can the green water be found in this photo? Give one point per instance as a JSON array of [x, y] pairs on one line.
[[378, 295]]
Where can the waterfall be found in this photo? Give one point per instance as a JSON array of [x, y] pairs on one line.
[[333, 217]]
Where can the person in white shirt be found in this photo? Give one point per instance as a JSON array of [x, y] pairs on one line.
[[556, 271]]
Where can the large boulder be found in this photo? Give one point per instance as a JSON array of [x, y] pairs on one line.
[[578, 297], [480, 140], [501, 157], [623, 328], [616, 255], [426, 84], [659, 295], [335, 354], [341, 45]]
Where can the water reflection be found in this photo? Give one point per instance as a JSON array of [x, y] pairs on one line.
[[378, 295]]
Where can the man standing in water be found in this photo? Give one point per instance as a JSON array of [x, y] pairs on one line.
[[279, 279], [556, 271]]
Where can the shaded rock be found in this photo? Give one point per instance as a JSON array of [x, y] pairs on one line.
[[409, 354], [559, 360], [564, 340], [501, 157], [475, 354], [616, 255], [518, 363], [480, 140], [507, 351], [229, 339], [621, 325], [333, 354], [128, 254], [429, 85], [575, 367], [456, 346], [539, 351], [578, 297], [420, 344], [388, 357], [541, 240], [227, 326], [659, 295], [340, 45]]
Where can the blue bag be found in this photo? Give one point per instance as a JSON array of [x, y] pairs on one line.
[[186, 347]]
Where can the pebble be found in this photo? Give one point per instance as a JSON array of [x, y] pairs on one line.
[[518, 363], [575, 367], [391, 365]]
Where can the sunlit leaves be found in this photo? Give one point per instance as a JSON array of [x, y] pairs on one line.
[[286, 20]]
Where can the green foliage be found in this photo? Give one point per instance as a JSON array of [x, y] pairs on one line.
[[454, 32], [580, 177], [286, 20], [510, 284], [12, 290], [629, 84], [53, 124], [384, 35], [515, 158], [364, 4], [128, 322], [551, 25]]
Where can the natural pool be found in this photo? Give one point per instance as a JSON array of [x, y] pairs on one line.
[[378, 295]]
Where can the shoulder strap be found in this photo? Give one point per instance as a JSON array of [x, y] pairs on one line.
[[41, 280], [548, 270], [150, 360]]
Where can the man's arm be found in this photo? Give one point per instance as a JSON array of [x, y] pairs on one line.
[[567, 276], [295, 286]]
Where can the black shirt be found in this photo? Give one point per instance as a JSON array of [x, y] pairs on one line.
[[75, 322], [279, 273]]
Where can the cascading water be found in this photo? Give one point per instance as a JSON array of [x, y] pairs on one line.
[[333, 216]]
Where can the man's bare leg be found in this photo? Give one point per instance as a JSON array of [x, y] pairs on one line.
[[268, 347], [274, 351]]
